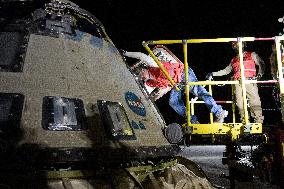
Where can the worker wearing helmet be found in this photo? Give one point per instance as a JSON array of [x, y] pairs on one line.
[[251, 60], [153, 76]]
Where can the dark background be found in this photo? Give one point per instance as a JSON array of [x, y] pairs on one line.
[[129, 22]]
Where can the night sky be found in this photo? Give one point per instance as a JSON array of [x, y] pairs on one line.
[[129, 22]]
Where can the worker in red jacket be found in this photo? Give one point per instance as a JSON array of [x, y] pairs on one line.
[[251, 60], [154, 77]]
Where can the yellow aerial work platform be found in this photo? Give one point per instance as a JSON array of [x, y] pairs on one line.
[[233, 129]]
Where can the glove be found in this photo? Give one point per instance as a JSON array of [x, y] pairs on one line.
[[259, 76], [209, 76]]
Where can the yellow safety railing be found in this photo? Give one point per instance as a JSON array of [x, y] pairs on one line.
[[186, 81], [235, 129], [224, 102], [279, 62], [160, 65]]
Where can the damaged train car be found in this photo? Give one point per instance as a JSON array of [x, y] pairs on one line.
[[72, 114]]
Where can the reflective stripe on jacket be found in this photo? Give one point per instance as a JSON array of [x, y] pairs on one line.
[[158, 79], [249, 66]]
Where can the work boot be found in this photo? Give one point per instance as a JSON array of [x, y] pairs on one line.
[[220, 117]]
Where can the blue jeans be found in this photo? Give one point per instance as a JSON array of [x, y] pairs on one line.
[[176, 101]]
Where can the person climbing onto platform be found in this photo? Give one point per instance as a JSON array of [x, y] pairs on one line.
[[153, 76], [251, 59]]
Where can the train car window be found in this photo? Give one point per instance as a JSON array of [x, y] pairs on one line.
[[63, 114], [115, 120], [11, 52], [87, 27], [11, 106]]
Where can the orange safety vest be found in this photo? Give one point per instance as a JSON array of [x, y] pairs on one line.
[[158, 79], [249, 66]]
